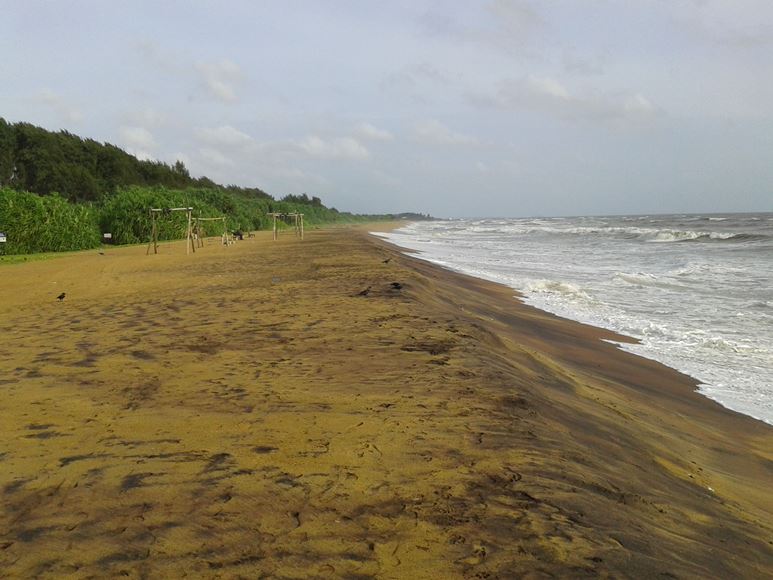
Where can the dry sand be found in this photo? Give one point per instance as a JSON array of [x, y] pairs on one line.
[[244, 412]]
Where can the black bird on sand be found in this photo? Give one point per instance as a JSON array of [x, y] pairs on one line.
[[397, 285], [61, 297], [365, 292], [386, 261]]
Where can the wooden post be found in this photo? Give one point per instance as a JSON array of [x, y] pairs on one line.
[[274, 216], [189, 235], [153, 234], [197, 231], [301, 226], [150, 241]]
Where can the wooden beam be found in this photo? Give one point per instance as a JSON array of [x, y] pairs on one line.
[[161, 210]]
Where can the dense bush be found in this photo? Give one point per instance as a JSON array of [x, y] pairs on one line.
[[104, 189], [45, 224], [50, 223]]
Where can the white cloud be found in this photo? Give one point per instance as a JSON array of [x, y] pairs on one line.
[[368, 131], [546, 86], [225, 135], [138, 141], [220, 79], [59, 105], [339, 148], [433, 132], [549, 96], [638, 104], [516, 16]]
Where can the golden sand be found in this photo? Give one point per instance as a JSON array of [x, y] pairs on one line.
[[245, 412]]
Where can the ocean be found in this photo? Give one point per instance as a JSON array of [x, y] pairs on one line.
[[696, 290]]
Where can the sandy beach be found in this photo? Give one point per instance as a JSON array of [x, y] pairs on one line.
[[246, 412]]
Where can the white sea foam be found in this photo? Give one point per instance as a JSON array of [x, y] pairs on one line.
[[703, 308]]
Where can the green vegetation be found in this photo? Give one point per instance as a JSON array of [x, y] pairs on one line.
[[45, 224], [44, 162], [59, 192]]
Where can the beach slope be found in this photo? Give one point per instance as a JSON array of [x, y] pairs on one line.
[[333, 408]]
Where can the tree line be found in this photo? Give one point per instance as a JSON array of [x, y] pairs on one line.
[[34, 159], [61, 192]]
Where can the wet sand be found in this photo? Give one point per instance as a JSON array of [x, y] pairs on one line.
[[245, 412]]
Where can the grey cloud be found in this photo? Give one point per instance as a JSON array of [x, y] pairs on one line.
[[160, 58], [417, 80], [518, 17], [574, 63], [741, 24], [510, 26]]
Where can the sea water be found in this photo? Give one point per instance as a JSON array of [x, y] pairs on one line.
[[696, 290]]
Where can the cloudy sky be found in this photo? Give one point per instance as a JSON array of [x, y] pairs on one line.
[[453, 107]]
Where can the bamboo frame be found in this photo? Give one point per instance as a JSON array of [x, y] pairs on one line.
[[154, 213], [225, 239], [297, 222]]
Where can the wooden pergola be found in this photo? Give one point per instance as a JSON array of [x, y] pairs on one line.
[[155, 212], [297, 222]]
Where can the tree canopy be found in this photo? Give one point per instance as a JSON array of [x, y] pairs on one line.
[[34, 159]]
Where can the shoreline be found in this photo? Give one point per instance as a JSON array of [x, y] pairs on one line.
[[625, 342], [587, 331], [245, 410]]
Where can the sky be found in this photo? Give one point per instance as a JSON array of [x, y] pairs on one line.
[[450, 107]]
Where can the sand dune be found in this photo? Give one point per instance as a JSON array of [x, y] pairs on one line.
[[243, 411]]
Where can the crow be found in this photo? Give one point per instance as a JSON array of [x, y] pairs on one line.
[[365, 292], [386, 261], [61, 297]]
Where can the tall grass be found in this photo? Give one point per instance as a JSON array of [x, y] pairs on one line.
[[52, 224], [45, 224]]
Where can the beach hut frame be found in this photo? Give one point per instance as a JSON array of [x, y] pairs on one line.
[[154, 215], [297, 222], [226, 237]]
